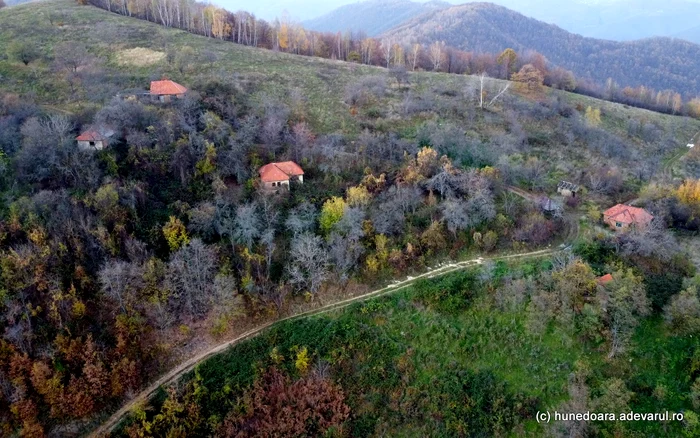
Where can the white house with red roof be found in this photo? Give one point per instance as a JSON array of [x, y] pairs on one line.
[[621, 217], [276, 175], [94, 139], [166, 89]]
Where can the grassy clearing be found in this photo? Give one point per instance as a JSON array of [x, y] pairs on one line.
[[139, 57]]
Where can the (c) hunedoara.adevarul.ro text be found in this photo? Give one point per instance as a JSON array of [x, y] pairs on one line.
[[547, 416]]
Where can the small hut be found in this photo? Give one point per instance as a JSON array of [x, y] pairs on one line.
[[567, 189], [277, 175], [550, 207], [94, 139], [166, 89]]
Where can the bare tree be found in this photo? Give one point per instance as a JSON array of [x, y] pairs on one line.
[[350, 224], [436, 54], [388, 218], [387, 50], [190, 278], [247, 224], [121, 281], [308, 263], [267, 239], [344, 252], [71, 57], [500, 93], [301, 218], [650, 241], [400, 75], [455, 213], [483, 92], [414, 55], [202, 219]]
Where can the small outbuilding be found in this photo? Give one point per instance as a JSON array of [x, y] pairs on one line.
[[94, 139], [550, 207], [568, 189], [622, 217], [277, 175], [166, 89]]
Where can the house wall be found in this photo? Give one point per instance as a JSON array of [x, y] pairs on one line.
[[276, 185], [91, 145], [614, 224], [166, 98], [565, 192]]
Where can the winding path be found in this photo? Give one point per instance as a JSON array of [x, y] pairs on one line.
[[188, 365]]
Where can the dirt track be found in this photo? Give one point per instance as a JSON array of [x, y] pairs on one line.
[[188, 365]]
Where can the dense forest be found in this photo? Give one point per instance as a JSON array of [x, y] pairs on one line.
[[117, 264]]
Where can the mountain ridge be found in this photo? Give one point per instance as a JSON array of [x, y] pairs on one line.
[[661, 62], [372, 17], [621, 20]]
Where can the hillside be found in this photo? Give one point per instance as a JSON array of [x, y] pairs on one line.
[[372, 17], [118, 264], [482, 27]]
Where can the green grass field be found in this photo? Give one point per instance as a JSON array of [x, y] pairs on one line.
[[402, 360]]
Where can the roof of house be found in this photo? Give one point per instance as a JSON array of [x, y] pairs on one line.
[[548, 204], [567, 186], [92, 136], [627, 214], [280, 171], [167, 87], [605, 279]]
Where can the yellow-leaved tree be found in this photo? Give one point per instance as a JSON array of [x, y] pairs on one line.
[[593, 116], [175, 233], [689, 194], [331, 212], [358, 196]]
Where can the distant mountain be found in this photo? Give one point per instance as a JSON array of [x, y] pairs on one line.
[[692, 34], [373, 17], [662, 63], [619, 20]]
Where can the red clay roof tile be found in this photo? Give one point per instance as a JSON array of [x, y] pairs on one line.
[[167, 88], [628, 215], [280, 171], [90, 136]]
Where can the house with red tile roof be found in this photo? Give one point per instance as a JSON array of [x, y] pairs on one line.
[[166, 89], [94, 139], [621, 217], [276, 175]]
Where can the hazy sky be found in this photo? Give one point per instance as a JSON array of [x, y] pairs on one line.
[[298, 9]]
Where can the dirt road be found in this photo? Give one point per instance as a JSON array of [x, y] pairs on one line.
[[188, 365]]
